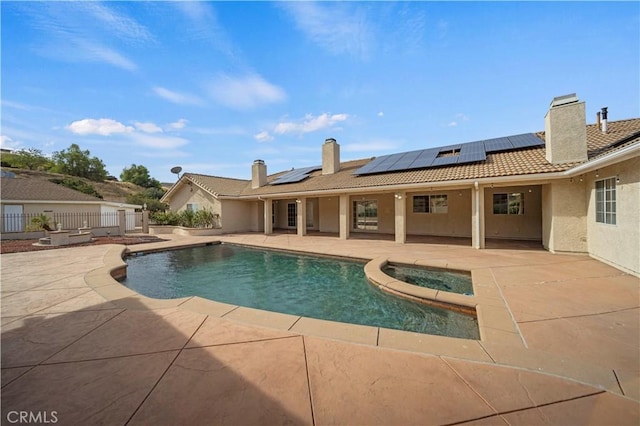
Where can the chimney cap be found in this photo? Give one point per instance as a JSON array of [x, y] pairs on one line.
[[258, 161], [563, 100], [329, 140]]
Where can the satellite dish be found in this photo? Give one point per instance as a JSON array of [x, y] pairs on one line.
[[176, 170]]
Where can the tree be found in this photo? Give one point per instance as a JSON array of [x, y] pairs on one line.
[[139, 175], [30, 158], [76, 162]]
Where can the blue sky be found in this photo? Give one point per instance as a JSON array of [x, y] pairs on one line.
[[213, 86]]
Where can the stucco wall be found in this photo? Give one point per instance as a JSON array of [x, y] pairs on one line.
[[329, 211], [203, 199], [59, 208], [236, 216], [618, 244], [456, 222], [527, 226], [564, 216]]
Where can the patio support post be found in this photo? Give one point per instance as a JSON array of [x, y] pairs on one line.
[[344, 216], [302, 216], [477, 216], [122, 223], [268, 214], [145, 221], [400, 204]]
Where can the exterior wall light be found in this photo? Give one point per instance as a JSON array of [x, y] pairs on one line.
[[617, 179]]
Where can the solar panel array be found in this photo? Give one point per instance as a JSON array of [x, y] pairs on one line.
[[296, 175], [469, 152]]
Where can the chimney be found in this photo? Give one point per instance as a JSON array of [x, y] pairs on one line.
[[330, 157], [604, 120], [565, 130], [598, 120], [258, 174]]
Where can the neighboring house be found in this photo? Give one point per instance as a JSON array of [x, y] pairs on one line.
[[28, 197], [574, 187]]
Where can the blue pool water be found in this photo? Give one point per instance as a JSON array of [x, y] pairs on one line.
[[315, 287], [452, 281]]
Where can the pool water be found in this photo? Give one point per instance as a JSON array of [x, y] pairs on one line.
[[452, 281], [316, 287]]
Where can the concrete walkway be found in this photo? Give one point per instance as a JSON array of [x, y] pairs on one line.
[[80, 348]]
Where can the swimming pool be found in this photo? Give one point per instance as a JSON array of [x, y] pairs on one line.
[[443, 280], [316, 287]]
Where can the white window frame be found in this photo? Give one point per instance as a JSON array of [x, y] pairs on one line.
[[606, 208]]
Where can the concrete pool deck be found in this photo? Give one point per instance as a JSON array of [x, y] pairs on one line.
[[76, 343]]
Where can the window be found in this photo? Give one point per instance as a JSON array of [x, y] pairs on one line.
[[606, 201], [508, 203], [430, 204], [365, 215], [292, 215], [192, 207]]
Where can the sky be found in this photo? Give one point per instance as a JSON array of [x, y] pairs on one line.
[[213, 86]]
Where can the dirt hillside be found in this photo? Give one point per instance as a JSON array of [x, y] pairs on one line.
[[110, 190]]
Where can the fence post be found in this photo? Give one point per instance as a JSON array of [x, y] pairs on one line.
[[122, 222], [145, 221]]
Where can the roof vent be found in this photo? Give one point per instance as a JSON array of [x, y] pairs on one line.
[[563, 100]]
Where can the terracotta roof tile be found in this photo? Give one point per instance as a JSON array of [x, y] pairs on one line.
[[509, 163]]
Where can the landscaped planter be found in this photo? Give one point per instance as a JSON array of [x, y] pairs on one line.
[[181, 230]]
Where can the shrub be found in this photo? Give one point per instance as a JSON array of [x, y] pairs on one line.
[[77, 185], [39, 223], [187, 218]]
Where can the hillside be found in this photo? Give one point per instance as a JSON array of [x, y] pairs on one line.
[[110, 190]]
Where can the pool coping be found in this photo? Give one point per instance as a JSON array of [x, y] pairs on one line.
[[500, 340]]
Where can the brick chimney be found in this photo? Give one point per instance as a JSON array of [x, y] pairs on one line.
[[565, 130], [258, 174], [330, 157]]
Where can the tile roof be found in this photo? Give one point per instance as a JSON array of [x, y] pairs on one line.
[[509, 163], [24, 189]]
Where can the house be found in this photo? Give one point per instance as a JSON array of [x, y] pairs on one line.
[[23, 198], [573, 187]]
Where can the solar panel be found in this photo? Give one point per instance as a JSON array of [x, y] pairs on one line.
[[425, 158], [444, 161], [296, 175], [497, 144], [526, 140], [405, 161], [472, 152], [469, 152]]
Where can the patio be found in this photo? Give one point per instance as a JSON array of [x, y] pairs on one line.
[[81, 348]]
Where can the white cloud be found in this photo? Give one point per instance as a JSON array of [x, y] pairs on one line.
[[245, 92], [147, 127], [177, 125], [263, 137], [160, 141], [381, 114], [7, 143], [336, 27], [310, 123], [116, 23], [460, 117], [177, 97], [102, 126]]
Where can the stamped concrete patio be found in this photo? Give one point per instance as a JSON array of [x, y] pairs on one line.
[[560, 345]]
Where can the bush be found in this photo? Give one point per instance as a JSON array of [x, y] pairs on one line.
[[187, 218], [39, 223], [165, 218], [77, 185]]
